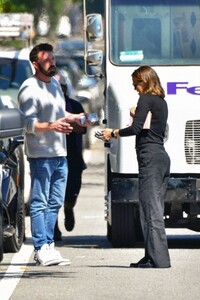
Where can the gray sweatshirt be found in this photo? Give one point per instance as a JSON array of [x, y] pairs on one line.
[[42, 102]]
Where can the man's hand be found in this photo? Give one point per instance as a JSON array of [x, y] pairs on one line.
[[62, 126], [59, 125], [82, 120]]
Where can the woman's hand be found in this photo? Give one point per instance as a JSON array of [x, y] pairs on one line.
[[107, 133], [132, 111]]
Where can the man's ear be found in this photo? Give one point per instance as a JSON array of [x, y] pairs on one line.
[[34, 63]]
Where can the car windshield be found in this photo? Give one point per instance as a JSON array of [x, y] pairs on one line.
[[13, 72]]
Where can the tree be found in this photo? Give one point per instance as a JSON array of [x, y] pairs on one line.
[[53, 9], [8, 6]]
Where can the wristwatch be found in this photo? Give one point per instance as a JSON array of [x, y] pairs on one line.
[[113, 134]]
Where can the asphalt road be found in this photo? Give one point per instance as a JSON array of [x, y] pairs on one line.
[[97, 270]]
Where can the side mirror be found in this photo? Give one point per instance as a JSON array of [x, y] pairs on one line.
[[94, 57], [94, 27], [93, 32]]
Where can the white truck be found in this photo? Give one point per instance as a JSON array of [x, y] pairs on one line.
[[165, 35]]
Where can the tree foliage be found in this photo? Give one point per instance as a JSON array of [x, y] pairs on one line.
[[37, 7], [54, 9], [7, 6]]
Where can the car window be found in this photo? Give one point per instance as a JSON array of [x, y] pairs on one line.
[[13, 72]]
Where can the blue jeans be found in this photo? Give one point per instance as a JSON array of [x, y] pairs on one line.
[[48, 183]]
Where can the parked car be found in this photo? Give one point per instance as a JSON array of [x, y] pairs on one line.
[[94, 84], [69, 45], [15, 67], [12, 209], [63, 62], [85, 87], [88, 87]]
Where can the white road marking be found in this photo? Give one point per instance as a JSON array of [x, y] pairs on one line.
[[17, 267], [15, 271]]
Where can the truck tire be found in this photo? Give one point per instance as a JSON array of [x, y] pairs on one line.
[[123, 230], [109, 232], [17, 206]]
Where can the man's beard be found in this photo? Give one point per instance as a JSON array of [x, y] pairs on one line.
[[50, 73]]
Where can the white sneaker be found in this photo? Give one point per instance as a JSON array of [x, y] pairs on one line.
[[46, 257], [56, 253]]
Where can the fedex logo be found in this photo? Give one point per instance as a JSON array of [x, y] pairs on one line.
[[173, 87]]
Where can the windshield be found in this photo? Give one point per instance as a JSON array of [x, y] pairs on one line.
[[155, 32], [13, 72]]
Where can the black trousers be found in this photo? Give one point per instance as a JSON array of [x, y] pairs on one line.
[[74, 182], [154, 168]]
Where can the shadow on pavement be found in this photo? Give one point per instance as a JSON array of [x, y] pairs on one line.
[[87, 241], [96, 241]]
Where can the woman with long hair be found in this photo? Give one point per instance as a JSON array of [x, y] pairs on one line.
[[153, 162]]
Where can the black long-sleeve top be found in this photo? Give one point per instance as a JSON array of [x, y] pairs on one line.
[[156, 133]]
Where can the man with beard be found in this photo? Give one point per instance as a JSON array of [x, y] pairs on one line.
[[41, 99]]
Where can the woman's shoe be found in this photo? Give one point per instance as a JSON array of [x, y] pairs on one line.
[[145, 262]]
